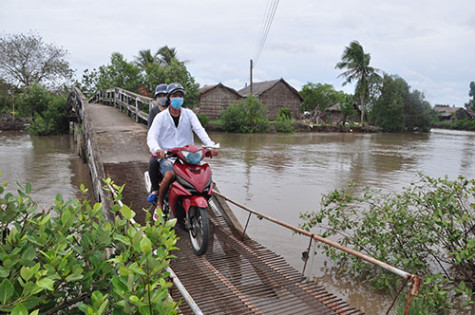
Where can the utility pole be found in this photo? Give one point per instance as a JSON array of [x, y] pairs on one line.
[[250, 85]]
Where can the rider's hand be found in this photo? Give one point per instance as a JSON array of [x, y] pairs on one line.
[[214, 152], [160, 154]]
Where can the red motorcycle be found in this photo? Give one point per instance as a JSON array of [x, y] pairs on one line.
[[189, 193]]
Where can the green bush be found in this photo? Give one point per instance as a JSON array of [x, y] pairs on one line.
[[284, 121], [246, 116], [70, 260], [427, 230], [284, 114], [204, 120], [49, 112], [463, 124], [6, 106], [285, 126]]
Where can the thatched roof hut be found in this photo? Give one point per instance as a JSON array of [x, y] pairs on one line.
[[451, 113], [216, 98], [275, 95]]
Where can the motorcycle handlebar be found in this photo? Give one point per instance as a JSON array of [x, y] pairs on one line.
[[208, 151]]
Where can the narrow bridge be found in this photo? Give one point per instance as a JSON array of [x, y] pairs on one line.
[[237, 275]]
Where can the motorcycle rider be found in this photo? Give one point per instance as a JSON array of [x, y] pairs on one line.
[[172, 128], [153, 165]]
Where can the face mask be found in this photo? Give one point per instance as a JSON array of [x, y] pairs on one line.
[[176, 102], [162, 100]]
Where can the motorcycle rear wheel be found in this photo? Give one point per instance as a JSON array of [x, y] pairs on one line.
[[199, 230]]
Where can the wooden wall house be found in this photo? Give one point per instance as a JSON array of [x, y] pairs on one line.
[[471, 113], [275, 95], [333, 114], [216, 98], [451, 113]]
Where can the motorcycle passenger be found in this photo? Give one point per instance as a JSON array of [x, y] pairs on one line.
[[173, 128], [153, 166], [162, 100]]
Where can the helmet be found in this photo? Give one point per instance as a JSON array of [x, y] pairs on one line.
[[173, 87], [160, 89]]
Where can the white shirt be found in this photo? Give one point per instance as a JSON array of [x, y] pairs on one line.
[[163, 134]]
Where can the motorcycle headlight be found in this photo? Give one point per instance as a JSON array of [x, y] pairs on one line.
[[193, 158]]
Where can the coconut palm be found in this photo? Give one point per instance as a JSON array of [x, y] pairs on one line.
[[163, 57], [167, 54], [145, 58], [356, 61]]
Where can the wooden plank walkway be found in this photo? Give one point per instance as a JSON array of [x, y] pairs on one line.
[[235, 276]]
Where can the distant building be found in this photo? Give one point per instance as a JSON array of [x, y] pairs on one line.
[[216, 98], [451, 113], [471, 113], [275, 95], [333, 114]]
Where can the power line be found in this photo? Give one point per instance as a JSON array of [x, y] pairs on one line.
[[269, 17], [265, 19], [266, 25]]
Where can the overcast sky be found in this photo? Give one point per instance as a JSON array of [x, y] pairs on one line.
[[429, 43]]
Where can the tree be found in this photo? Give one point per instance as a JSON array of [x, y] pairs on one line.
[[145, 58], [119, 73], [471, 103], [26, 59], [167, 54], [356, 61], [164, 56], [347, 108], [48, 111], [142, 75], [245, 116], [418, 113], [320, 96], [398, 109], [388, 111], [175, 71]]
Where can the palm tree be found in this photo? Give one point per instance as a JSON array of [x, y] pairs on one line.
[[145, 58], [356, 62], [166, 55], [163, 56]]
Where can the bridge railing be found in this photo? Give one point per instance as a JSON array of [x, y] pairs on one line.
[[414, 279], [135, 105]]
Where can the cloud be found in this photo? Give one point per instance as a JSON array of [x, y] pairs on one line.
[[427, 43]]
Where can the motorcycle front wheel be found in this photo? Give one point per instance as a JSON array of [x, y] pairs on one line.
[[199, 230]]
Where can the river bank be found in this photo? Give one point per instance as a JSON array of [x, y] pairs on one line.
[[7, 123], [305, 127]]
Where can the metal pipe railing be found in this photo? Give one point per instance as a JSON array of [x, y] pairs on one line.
[[415, 279]]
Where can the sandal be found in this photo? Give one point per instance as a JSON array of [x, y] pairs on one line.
[[152, 197]]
